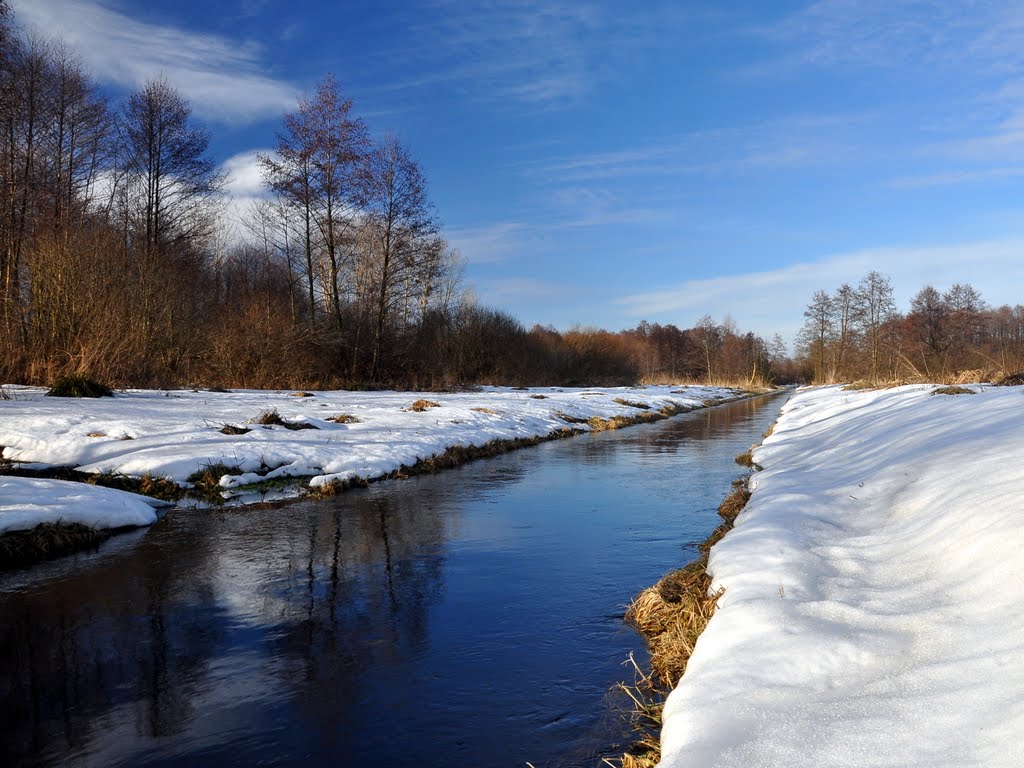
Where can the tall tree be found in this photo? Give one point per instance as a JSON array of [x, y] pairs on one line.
[[317, 164], [173, 179], [399, 218], [928, 324], [816, 334], [876, 307]]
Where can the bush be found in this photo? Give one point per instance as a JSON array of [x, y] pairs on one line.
[[79, 386]]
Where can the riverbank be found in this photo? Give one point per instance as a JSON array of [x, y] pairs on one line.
[[256, 445], [868, 597]]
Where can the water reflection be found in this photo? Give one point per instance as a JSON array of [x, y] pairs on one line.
[[471, 618]]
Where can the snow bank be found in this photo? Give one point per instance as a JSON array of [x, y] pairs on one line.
[[175, 434], [27, 502], [874, 586]]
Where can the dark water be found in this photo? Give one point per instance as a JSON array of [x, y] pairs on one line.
[[470, 619]]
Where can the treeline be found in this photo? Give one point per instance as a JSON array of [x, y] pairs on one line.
[[118, 261], [857, 333], [117, 258], [716, 353]]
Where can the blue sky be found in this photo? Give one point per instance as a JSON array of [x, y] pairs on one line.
[[601, 166]]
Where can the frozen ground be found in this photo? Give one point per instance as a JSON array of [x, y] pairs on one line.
[[874, 585], [174, 434]]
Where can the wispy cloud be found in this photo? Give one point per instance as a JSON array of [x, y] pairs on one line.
[[773, 300], [793, 142], [882, 34], [489, 243], [505, 289], [223, 78], [524, 54]]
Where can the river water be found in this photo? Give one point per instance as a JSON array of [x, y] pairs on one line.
[[471, 618]]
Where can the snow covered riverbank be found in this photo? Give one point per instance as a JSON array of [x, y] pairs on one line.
[[873, 591], [320, 437]]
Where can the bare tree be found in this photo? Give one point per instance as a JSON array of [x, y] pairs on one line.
[[316, 168], [173, 180], [876, 307], [399, 217], [817, 332], [928, 326]]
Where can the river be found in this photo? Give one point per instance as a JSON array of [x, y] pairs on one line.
[[471, 618]]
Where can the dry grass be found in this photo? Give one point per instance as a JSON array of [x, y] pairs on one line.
[[485, 410], [631, 403], [78, 386], [746, 459], [857, 386], [231, 429], [47, 541], [301, 394], [345, 418], [953, 390], [570, 419], [421, 405], [670, 616], [975, 376], [1010, 380], [538, 397], [271, 417], [207, 481], [644, 716]]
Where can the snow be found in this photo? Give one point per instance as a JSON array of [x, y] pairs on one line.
[[873, 591], [174, 434], [26, 502]]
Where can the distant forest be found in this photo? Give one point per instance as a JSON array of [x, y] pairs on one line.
[[856, 333]]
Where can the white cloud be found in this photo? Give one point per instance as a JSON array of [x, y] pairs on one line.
[[244, 178], [244, 188], [222, 78], [773, 301], [489, 243]]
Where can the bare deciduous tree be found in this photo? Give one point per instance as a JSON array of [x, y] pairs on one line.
[[172, 178]]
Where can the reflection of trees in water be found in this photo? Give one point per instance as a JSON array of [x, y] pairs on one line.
[[133, 632], [356, 606], [336, 590]]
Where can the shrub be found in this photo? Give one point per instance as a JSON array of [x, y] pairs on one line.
[[78, 386]]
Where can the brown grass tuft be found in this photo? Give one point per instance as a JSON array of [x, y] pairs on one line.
[[953, 390], [231, 429], [345, 418], [485, 410], [271, 417], [631, 403], [538, 397], [857, 386], [301, 394], [421, 405], [746, 459], [734, 503]]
